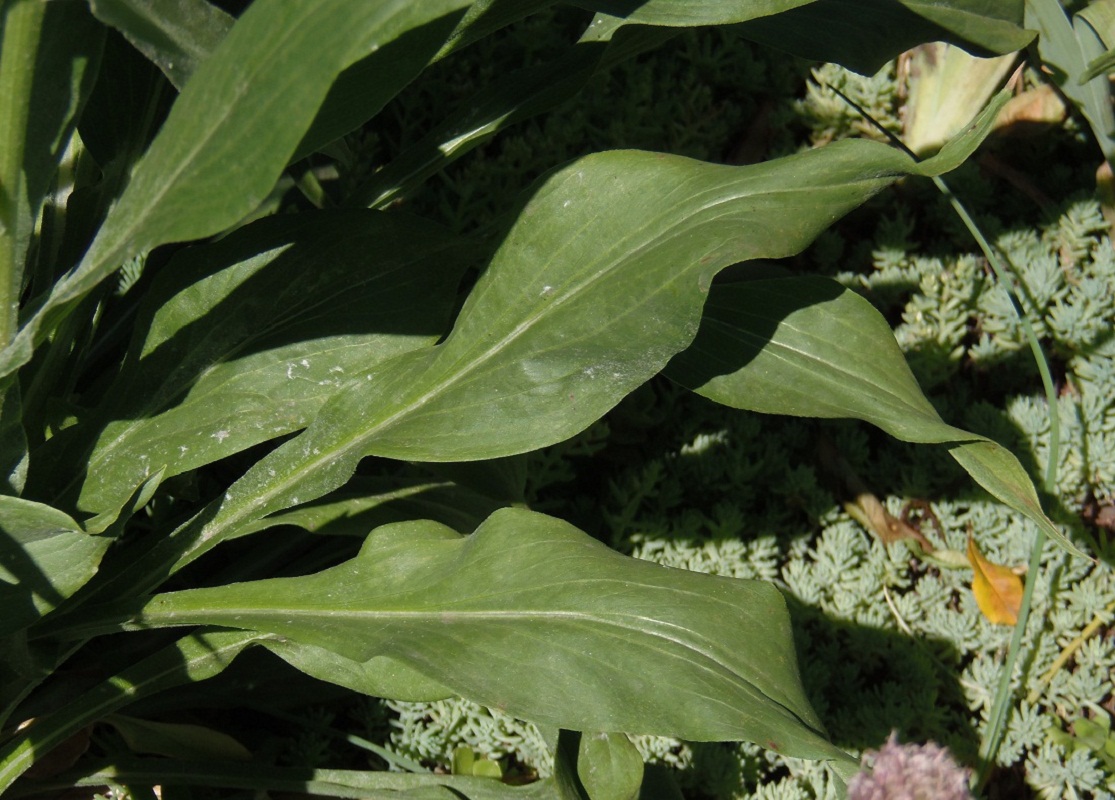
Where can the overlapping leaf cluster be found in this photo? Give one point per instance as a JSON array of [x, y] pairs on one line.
[[237, 389]]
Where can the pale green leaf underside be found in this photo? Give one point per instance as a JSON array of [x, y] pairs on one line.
[[809, 347], [247, 338], [379, 676], [533, 616], [598, 283]]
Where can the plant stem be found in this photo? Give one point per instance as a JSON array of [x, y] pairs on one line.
[[1000, 708]]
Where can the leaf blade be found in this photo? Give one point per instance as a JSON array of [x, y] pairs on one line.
[[603, 630], [808, 347], [205, 170]]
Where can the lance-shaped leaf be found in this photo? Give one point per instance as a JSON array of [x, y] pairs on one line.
[[379, 676], [809, 347], [598, 283], [44, 558], [176, 36], [244, 340], [231, 133], [48, 62], [367, 502], [865, 34], [532, 616], [688, 13]]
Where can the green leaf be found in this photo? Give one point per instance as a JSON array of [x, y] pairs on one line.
[[229, 135], [355, 784], [176, 36], [534, 617], [177, 740], [1067, 49], [192, 658], [609, 766], [465, 762], [947, 88], [806, 346], [13, 438], [364, 88], [1101, 65], [485, 17], [44, 558], [864, 34], [379, 676], [245, 339], [599, 282], [48, 61], [367, 502], [690, 13], [809, 347]]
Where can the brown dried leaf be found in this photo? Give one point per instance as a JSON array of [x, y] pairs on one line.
[[885, 525]]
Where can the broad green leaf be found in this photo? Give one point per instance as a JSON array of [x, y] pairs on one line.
[[48, 61], [192, 658], [245, 339], [44, 558], [809, 347], [364, 88], [599, 282], [609, 766], [379, 676], [534, 617], [176, 36], [365, 503], [864, 34], [229, 135], [177, 740]]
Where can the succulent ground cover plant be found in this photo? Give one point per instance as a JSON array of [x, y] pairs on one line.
[[299, 413]]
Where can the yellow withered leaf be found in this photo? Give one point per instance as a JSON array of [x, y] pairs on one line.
[[997, 589]]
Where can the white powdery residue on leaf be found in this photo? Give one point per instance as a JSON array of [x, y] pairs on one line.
[[221, 435]]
